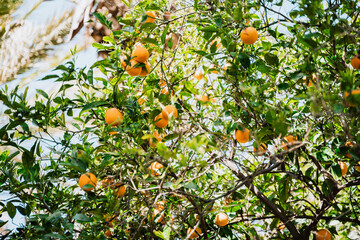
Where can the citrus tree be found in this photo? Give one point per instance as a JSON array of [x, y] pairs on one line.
[[221, 119]]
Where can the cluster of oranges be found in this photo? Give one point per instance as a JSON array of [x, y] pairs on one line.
[[162, 120], [243, 136], [88, 182], [138, 65]]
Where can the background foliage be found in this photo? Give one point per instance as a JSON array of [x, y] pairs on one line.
[[260, 87]]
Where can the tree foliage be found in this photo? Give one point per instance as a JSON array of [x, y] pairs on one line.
[[291, 82]]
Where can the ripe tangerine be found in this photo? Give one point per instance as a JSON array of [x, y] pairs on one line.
[[132, 69], [261, 151], [249, 35], [323, 234], [344, 168], [195, 234], [221, 219], [120, 192], [87, 178], [242, 136], [113, 117], [160, 121], [355, 62], [145, 70], [168, 111], [150, 17], [289, 140], [140, 54], [155, 166]]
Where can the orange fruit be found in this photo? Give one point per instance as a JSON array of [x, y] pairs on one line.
[[166, 91], [113, 117], [160, 205], [358, 166], [168, 111], [132, 70], [155, 166], [221, 219], [112, 133], [87, 178], [323, 234], [203, 98], [281, 226], [195, 234], [106, 182], [353, 92], [162, 83], [355, 62], [157, 136], [140, 101], [120, 192], [108, 234], [227, 201], [348, 144], [344, 168], [160, 121], [123, 63], [289, 140], [249, 35], [242, 136], [198, 75], [218, 44], [140, 54], [145, 70], [309, 82], [261, 151], [150, 17], [157, 212], [111, 221]]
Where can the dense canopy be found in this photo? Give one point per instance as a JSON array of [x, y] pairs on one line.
[[207, 119]]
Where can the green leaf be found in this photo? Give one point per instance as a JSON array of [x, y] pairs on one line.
[[147, 25], [127, 3], [82, 218], [327, 187], [336, 170], [167, 233], [54, 217], [54, 236], [11, 209], [159, 234], [149, 40], [244, 60], [90, 76], [49, 77], [109, 39], [284, 189], [43, 93], [209, 29], [103, 20], [94, 104], [218, 22], [2, 223], [283, 86], [163, 35], [271, 59], [192, 185]]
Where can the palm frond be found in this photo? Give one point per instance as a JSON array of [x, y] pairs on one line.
[[27, 43]]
